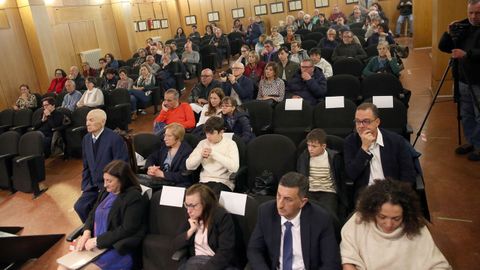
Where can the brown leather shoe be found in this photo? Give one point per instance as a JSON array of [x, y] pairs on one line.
[[464, 149]]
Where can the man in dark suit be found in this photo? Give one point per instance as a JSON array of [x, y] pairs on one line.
[[291, 233], [374, 153], [100, 146]]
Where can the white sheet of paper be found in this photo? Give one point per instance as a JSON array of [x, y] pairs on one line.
[[172, 196], [383, 101], [147, 190], [233, 202], [228, 135], [334, 102], [293, 104]]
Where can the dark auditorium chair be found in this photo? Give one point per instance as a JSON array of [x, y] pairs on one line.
[[117, 106], [261, 116], [59, 99], [356, 25], [350, 66], [6, 119], [236, 42], [8, 150], [208, 54], [315, 36], [322, 30], [335, 121], [145, 144], [74, 134], [302, 32], [22, 120], [29, 165], [270, 152], [384, 84], [39, 100], [359, 32], [308, 44], [345, 85], [164, 223], [327, 54], [293, 124]]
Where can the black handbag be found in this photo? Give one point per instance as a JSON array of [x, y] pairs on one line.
[[264, 184]]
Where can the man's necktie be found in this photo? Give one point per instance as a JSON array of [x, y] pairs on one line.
[[287, 247]]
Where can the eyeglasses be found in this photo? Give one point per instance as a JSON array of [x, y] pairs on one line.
[[347, 36], [364, 122], [237, 68], [306, 66], [244, 51], [190, 206], [226, 105]]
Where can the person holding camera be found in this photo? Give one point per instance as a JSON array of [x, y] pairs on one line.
[[236, 85], [463, 42]]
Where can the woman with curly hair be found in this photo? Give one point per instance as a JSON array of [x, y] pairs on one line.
[[388, 231]]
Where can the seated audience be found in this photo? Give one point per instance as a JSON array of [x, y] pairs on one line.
[[140, 92], [384, 62], [194, 33], [316, 56], [297, 54], [208, 234], [154, 67], [348, 49], [299, 19], [168, 51], [254, 67], [57, 83], [149, 42], [102, 71], [72, 96], [87, 70], [382, 34], [276, 37], [238, 27], [269, 52], [124, 81], [322, 22], [243, 58], [307, 22], [174, 112], [156, 53], [253, 32], [340, 25], [330, 41], [315, 17], [142, 53], [335, 14], [371, 25], [286, 68], [208, 32], [388, 229], [237, 85], [259, 46], [180, 34], [213, 107], [236, 120], [290, 22], [166, 74], [220, 41], [291, 37], [308, 83], [117, 222], [324, 169], [190, 59], [26, 100], [218, 156], [93, 97], [201, 90], [379, 9], [168, 162], [356, 16], [77, 78], [111, 79], [287, 224], [271, 87], [47, 121], [111, 62], [375, 153]]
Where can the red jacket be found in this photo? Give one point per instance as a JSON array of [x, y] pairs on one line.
[[56, 85], [183, 115]]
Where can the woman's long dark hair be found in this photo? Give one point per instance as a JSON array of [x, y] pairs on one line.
[[211, 110], [121, 170]]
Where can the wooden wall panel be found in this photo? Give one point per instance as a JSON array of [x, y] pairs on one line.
[[422, 25]]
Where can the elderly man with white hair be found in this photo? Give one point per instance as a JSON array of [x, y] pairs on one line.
[[236, 85]]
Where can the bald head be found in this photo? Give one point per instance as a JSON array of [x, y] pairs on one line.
[[206, 77], [96, 120]]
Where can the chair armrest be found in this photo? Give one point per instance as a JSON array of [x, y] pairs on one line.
[[18, 128], [188, 172], [31, 129], [408, 129], [308, 129], [179, 254], [122, 105], [5, 127], [5, 156], [75, 234], [240, 179], [266, 128], [77, 129], [419, 182], [26, 158]]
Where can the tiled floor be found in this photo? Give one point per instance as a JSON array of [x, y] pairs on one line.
[[452, 182]]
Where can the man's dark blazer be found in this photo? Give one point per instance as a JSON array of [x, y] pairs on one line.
[[397, 163], [109, 146], [319, 246], [127, 221]]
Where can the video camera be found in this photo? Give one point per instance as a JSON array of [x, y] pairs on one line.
[[225, 73], [459, 30]]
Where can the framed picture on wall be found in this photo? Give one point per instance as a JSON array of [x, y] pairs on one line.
[[260, 10], [294, 5], [321, 3], [164, 23], [190, 20], [142, 26], [276, 7], [156, 24], [238, 13], [352, 1], [213, 16], [135, 26]]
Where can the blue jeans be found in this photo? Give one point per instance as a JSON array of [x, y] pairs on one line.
[[137, 96], [470, 114], [400, 21]]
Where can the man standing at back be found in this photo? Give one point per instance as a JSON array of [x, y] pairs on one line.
[[100, 146], [291, 233]]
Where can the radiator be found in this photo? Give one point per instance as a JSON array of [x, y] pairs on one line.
[[91, 56]]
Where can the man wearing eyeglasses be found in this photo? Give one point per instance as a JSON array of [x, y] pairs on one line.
[[308, 83], [374, 153], [348, 48], [201, 90], [236, 84]]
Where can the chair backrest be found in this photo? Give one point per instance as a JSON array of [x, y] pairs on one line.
[[371, 51], [79, 116], [393, 119], [242, 148], [335, 121], [345, 85], [9, 142], [283, 118], [327, 54], [23, 117], [350, 66], [261, 115], [359, 32], [308, 44], [37, 114], [322, 30], [302, 32], [164, 220], [59, 99], [272, 152], [315, 36], [191, 139], [381, 84], [146, 143], [39, 99], [356, 25], [118, 96], [6, 117], [31, 143]]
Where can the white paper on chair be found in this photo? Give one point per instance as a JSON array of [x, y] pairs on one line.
[[147, 190], [293, 104], [383, 101], [334, 102], [228, 135], [233, 202], [172, 196]]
